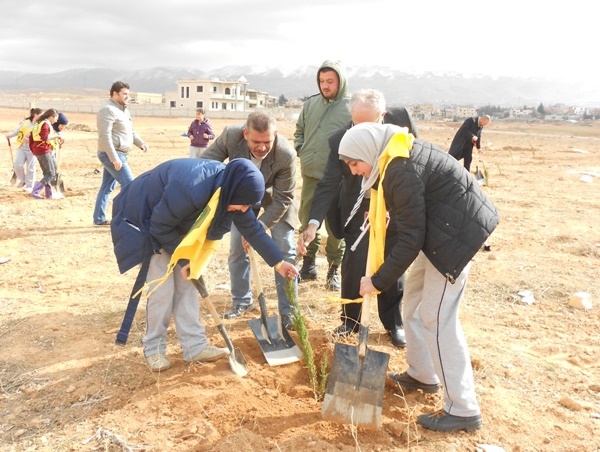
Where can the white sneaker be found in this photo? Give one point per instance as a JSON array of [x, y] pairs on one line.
[[158, 363], [210, 353]]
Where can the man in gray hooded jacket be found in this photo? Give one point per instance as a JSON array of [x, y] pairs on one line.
[[322, 114]]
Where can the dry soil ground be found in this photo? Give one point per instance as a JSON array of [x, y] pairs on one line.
[[64, 385]]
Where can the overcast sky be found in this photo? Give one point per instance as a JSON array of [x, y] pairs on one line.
[[520, 38]]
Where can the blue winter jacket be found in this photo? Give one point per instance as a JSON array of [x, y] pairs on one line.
[[157, 209]]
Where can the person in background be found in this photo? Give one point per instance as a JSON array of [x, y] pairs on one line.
[[467, 136], [153, 214], [41, 145], [25, 161], [335, 196], [322, 114], [59, 126], [200, 133], [274, 156], [442, 217], [116, 138]]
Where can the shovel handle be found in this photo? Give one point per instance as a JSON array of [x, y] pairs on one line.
[[201, 287], [258, 283], [365, 317], [259, 289]]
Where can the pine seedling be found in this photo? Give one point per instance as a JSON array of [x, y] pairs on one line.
[[318, 381]]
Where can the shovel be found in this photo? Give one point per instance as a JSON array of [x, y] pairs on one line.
[[236, 359], [13, 179], [274, 340], [356, 383], [481, 177], [58, 183]]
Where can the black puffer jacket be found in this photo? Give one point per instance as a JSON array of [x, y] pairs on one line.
[[437, 208]]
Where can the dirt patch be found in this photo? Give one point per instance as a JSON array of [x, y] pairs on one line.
[[66, 386]]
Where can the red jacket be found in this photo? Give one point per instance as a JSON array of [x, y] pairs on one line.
[[38, 140]]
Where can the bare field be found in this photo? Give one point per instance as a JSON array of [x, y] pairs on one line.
[[66, 386]]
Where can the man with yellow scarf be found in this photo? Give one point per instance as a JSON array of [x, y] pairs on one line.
[[443, 217]]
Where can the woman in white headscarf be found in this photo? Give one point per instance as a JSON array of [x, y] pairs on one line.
[[443, 218]]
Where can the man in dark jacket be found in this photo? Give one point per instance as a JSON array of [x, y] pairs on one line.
[[152, 215], [335, 196], [257, 141], [467, 136]]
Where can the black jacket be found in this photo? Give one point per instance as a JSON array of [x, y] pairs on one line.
[[436, 207], [338, 189]]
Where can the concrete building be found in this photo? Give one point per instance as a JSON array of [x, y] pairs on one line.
[[210, 94]]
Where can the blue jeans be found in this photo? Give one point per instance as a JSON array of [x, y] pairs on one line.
[[239, 267], [110, 177]]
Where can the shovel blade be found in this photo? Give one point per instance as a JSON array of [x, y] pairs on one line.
[[479, 177], [237, 362], [13, 179], [277, 345], [355, 388], [58, 184]]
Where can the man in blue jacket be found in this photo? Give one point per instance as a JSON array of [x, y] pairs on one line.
[[152, 215]]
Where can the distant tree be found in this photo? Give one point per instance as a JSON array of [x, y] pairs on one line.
[[493, 110], [282, 101], [541, 110]]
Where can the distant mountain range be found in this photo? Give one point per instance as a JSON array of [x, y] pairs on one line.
[[400, 88]]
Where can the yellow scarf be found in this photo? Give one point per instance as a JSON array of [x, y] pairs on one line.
[[398, 146], [194, 247]]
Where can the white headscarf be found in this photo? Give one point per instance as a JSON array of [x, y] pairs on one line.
[[366, 142]]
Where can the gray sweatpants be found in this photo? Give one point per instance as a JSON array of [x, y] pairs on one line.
[[178, 297], [436, 348]]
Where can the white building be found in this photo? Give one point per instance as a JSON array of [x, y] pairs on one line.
[[210, 94]]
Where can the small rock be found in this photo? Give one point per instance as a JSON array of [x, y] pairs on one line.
[[70, 389], [396, 428], [489, 448], [580, 300], [571, 404], [526, 296]]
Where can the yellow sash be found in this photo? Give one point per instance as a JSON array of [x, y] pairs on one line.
[[398, 146], [194, 247]]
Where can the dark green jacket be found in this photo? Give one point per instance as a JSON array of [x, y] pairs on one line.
[[319, 119]]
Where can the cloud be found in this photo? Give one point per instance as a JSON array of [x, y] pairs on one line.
[[509, 38]]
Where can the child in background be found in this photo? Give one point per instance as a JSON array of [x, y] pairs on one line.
[[40, 143], [200, 133], [57, 143], [25, 162]]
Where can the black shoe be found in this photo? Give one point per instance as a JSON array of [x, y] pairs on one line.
[[345, 330], [287, 321], [238, 311], [308, 272], [398, 337], [444, 422], [408, 382], [333, 279]]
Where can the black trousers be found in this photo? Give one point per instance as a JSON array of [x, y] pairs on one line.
[[466, 154], [354, 264]]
